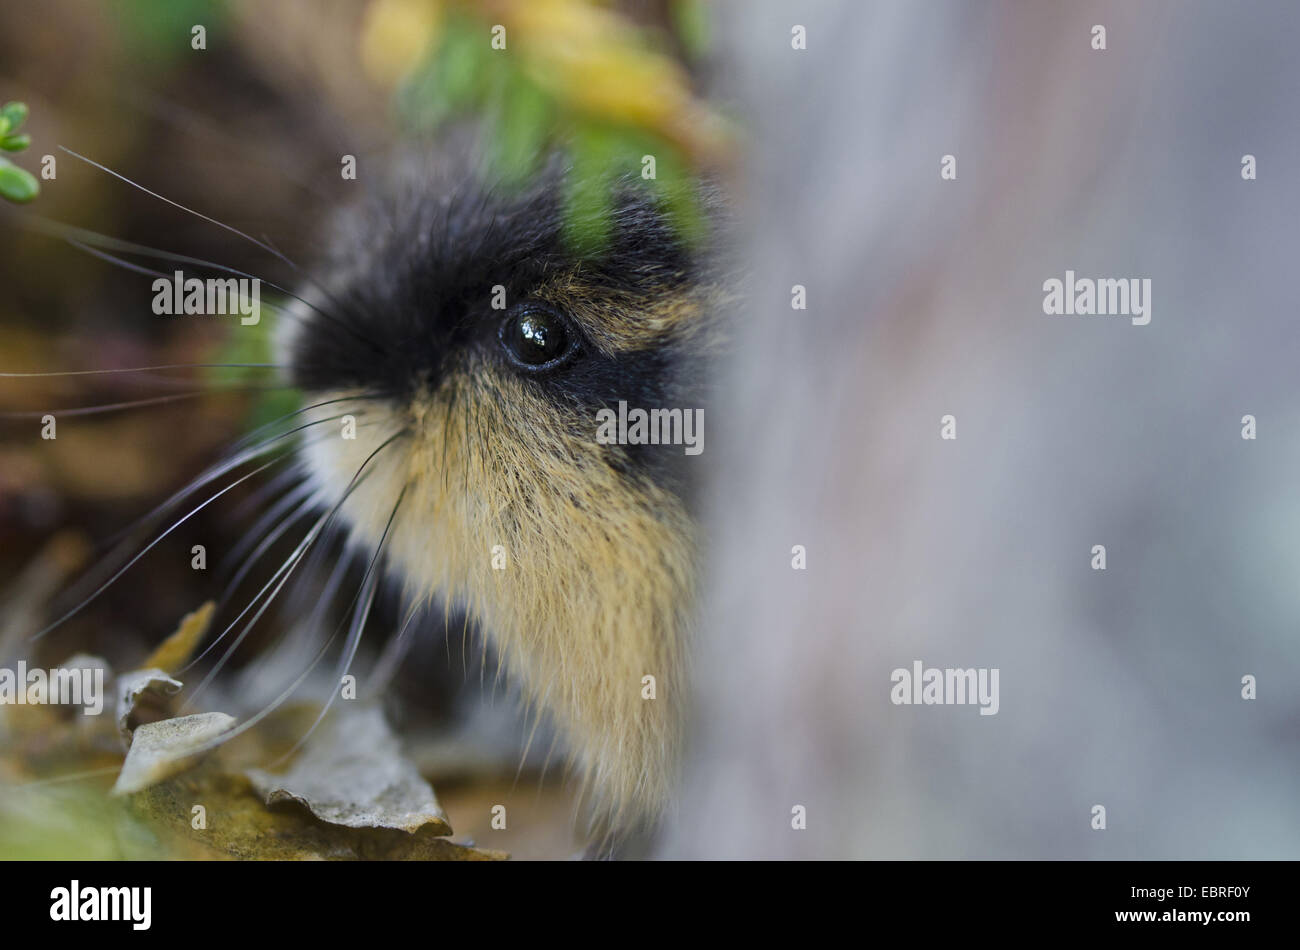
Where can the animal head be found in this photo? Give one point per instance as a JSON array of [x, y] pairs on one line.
[[474, 350]]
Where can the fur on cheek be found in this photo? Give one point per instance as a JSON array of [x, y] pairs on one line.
[[582, 575]]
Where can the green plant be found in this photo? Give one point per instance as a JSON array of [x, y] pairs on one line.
[[16, 184], [572, 74]]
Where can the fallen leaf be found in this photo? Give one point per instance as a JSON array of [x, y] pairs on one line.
[[237, 824], [131, 687], [173, 652], [161, 749], [354, 774]]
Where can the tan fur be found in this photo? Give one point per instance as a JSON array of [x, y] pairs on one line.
[[599, 578], [622, 322]]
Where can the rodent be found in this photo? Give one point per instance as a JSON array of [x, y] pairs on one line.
[[491, 413]]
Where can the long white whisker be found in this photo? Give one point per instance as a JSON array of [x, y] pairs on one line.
[[141, 369], [286, 570], [233, 230], [152, 544], [282, 575], [394, 652], [177, 204], [268, 529], [369, 585], [273, 488], [136, 403], [122, 546]]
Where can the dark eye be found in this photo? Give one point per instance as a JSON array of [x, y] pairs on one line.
[[535, 338]]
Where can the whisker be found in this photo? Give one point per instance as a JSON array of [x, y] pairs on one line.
[[293, 687], [271, 489], [305, 507], [394, 652], [299, 637], [305, 599], [297, 412], [369, 584], [152, 544], [286, 499], [283, 573], [165, 255], [177, 204], [233, 230], [112, 259], [267, 238], [332, 585], [271, 707], [269, 517], [119, 544], [137, 403], [220, 468], [143, 369], [82, 237]]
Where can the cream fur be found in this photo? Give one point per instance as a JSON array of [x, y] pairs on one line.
[[600, 571]]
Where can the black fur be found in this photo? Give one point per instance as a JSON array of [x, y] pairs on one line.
[[407, 298]]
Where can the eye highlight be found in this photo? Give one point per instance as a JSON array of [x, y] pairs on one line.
[[536, 338]]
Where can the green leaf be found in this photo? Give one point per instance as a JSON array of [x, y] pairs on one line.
[[678, 199], [588, 199], [15, 143], [17, 184], [691, 21], [523, 121], [15, 113], [452, 79], [158, 32]]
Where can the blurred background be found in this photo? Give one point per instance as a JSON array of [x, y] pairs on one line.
[[1119, 687]]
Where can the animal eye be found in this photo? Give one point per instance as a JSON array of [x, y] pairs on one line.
[[535, 338]]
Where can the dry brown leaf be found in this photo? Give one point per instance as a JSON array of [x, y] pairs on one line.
[[176, 650], [131, 689], [161, 749], [354, 774], [236, 824]]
